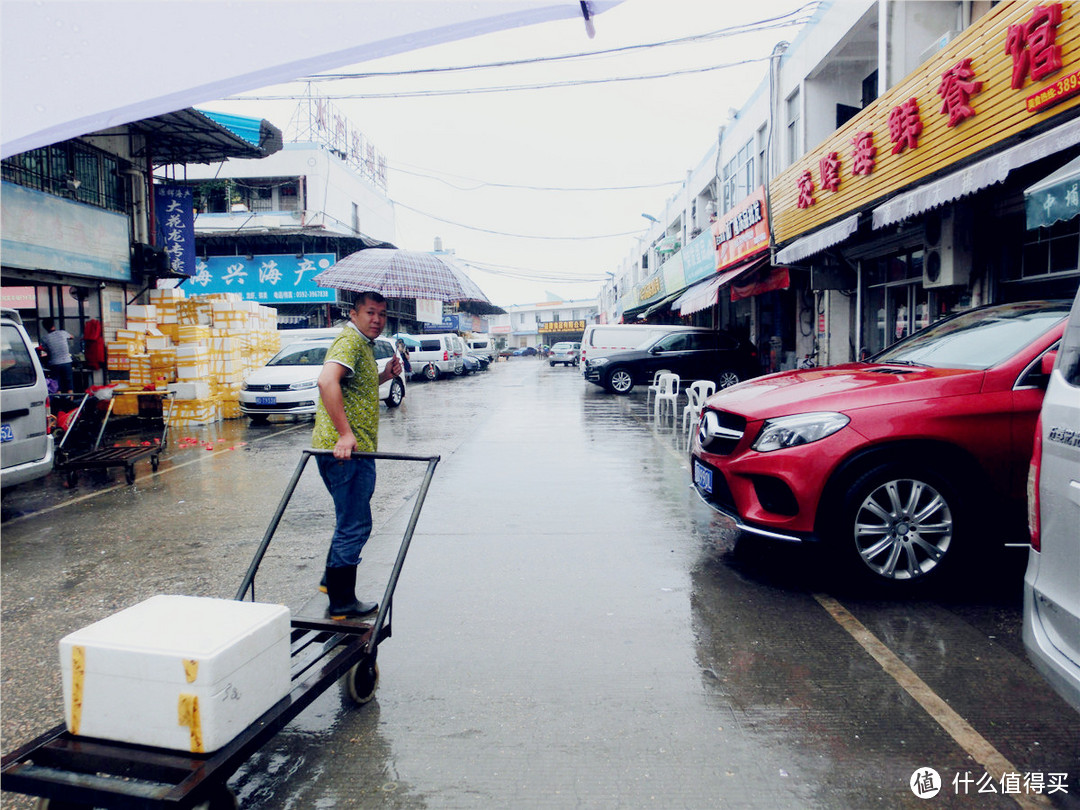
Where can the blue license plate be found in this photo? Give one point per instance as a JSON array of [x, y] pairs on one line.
[[702, 477], [266, 400], [6, 434]]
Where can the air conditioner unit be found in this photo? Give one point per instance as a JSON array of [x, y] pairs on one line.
[[947, 256]]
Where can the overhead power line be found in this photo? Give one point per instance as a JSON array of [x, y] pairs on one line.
[[478, 184], [515, 235], [796, 17], [504, 88]]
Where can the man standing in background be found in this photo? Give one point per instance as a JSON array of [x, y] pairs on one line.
[[57, 346]]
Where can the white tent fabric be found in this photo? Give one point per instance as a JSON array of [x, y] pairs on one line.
[[69, 67]]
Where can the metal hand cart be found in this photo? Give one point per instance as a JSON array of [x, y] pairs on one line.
[[73, 772], [99, 458]]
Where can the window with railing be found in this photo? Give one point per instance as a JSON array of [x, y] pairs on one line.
[[74, 170], [738, 176]]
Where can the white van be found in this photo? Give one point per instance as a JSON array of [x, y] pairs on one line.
[[1051, 629], [483, 347], [24, 413], [600, 340], [438, 355]]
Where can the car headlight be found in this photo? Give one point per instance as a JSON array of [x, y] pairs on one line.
[[599, 361], [803, 428], [299, 386], [243, 386]]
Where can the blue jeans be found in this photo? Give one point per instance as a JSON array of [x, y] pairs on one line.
[[351, 485]]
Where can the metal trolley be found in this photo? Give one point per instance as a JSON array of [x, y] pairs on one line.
[[72, 772], [99, 458]]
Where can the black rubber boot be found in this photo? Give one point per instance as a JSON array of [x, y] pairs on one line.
[[341, 588]]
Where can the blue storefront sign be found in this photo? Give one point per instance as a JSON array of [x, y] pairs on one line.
[[268, 279], [175, 223], [450, 323], [699, 258]]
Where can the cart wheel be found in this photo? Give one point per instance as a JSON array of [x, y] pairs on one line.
[[129, 474], [221, 799], [362, 681], [72, 478], [154, 461]]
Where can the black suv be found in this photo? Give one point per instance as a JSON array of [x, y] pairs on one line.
[[693, 355]]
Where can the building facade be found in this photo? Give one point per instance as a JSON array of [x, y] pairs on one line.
[[876, 181], [542, 324]]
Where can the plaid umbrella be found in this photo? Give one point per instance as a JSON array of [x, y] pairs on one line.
[[402, 274]]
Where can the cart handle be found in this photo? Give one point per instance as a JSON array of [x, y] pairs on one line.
[[305, 454]]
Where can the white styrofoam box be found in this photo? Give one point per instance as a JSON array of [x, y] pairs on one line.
[[187, 673], [190, 390]]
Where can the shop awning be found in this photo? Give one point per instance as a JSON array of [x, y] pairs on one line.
[[818, 241], [1055, 198], [661, 304], [977, 176], [194, 136], [706, 293]]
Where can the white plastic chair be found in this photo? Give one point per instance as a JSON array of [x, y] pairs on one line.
[[668, 395], [696, 394], [654, 386]]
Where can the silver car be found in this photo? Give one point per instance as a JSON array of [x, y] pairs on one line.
[[569, 354], [1052, 582]]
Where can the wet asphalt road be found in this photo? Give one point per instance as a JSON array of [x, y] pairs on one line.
[[573, 627]]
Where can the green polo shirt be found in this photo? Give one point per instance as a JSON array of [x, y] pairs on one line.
[[360, 390]]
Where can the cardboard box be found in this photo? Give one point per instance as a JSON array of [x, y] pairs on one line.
[[181, 672]]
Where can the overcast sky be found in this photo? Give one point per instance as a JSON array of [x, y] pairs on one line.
[[525, 241]]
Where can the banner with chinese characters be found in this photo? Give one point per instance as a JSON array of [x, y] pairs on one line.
[[562, 326], [270, 279], [174, 217], [743, 231], [1013, 70]]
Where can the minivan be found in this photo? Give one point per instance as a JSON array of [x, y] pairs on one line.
[[484, 347], [437, 355], [26, 447], [1051, 629]]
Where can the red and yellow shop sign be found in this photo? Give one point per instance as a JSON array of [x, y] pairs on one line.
[[1011, 70], [743, 232]]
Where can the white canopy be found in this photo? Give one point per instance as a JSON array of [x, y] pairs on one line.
[[69, 67]]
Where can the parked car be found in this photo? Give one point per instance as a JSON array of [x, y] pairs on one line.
[[1051, 629], [895, 463], [482, 347], [600, 340], [24, 409], [693, 354], [568, 354], [528, 351], [470, 364], [438, 355], [288, 383], [507, 352]]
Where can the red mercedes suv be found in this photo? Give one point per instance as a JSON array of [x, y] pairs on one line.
[[902, 464]]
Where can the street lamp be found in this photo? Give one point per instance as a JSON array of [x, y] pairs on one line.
[[651, 218]]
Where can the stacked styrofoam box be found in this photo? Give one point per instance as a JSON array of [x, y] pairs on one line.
[[139, 370], [193, 333], [167, 301], [163, 364], [226, 358], [199, 389], [191, 412], [192, 362], [228, 397], [180, 672], [135, 338], [141, 317], [117, 354]]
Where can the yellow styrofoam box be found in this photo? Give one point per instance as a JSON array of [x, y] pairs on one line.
[[125, 406], [186, 412], [167, 294], [142, 312], [169, 330], [193, 333]]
